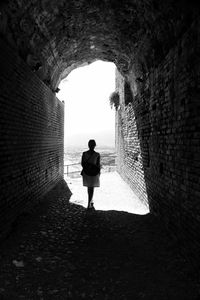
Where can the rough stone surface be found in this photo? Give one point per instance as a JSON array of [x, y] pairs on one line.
[[62, 251], [54, 37], [31, 145]]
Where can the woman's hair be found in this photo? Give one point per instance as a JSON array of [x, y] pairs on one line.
[[92, 144]]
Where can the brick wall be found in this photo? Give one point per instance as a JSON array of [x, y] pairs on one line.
[[31, 144], [165, 116], [129, 160]]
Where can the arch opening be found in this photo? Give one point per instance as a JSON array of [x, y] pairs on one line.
[[87, 90]]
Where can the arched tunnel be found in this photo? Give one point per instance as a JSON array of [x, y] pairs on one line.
[[155, 47]]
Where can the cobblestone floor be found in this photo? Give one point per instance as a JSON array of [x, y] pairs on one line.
[[62, 251]]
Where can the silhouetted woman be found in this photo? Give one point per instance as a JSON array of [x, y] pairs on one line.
[[91, 170]]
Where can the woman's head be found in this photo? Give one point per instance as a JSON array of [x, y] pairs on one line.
[[91, 144]]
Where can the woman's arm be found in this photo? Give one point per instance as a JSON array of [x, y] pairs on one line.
[[82, 160]]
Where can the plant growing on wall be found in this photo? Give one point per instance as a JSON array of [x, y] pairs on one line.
[[114, 100]]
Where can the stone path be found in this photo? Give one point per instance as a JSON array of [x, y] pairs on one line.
[[62, 251]]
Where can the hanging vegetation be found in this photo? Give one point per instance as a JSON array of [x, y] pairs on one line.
[[114, 100]]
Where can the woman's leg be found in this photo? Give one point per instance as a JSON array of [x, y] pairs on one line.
[[90, 195]]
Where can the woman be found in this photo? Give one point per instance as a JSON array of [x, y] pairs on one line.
[[91, 170]]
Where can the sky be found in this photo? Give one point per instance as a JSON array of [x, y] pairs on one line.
[[88, 114]]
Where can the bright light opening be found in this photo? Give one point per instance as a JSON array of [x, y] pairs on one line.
[[88, 115]]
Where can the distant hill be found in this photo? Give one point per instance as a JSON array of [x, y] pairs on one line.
[[103, 139]]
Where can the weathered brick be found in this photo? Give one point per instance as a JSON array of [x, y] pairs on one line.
[[167, 170], [31, 125]]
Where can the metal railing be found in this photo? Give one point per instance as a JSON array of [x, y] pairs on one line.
[[76, 170]]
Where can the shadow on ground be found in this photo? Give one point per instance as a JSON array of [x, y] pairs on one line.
[[62, 251]]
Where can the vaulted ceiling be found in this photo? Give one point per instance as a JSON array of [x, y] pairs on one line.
[[56, 36]]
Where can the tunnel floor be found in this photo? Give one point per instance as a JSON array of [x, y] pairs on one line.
[[62, 251], [113, 194]]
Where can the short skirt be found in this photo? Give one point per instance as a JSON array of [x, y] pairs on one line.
[[91, 181]]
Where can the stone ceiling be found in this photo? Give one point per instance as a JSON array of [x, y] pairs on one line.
[[56, 36]]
